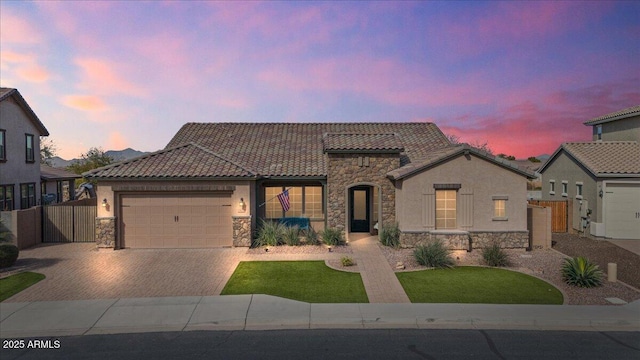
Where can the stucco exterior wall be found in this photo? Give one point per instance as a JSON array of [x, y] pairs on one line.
[[343, 171], [620, 130], [480, 181], [565, 168], [16, 170]]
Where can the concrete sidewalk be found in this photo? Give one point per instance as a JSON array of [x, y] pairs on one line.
[[260, 312]]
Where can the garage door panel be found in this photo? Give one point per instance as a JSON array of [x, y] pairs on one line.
[[176, 221], [622, 204]]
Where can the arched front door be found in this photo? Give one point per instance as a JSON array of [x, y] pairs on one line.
[[359, 209]]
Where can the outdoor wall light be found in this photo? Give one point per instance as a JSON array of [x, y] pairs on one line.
[[600, 193], [104, 202], [241, 205]]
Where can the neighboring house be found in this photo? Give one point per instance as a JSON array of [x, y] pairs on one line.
[[601, 177], [20, 131], [57, 184], [213, 182]]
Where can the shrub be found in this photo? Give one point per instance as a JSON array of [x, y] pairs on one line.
[[271, 233], [332, 236], [390, 235], [347, 261], [580, 272], [312, 237], [291, 236], [433, 255], [8, 255], [495, 256]]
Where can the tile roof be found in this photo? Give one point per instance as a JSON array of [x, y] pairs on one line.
[[345, 142], [50, 173], [605, 157], [618, 115], [445, 154], [5, 93], [296, 149], [188, 161]]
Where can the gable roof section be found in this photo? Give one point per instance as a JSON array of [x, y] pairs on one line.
[[443, 155], [6, 93], [618, 115], [603, 158], [50, 173], [296, 149], [361, 143], [188, 161]]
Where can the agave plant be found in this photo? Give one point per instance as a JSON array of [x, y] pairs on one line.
[[580, 272]]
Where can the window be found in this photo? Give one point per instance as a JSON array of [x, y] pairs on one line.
[[578, 190], [552, 187], [27, 195], [599, 132], [6, 197], [565, 187], [304, 201], [500, 207], [446, 209], [3, 145], [29, 146]]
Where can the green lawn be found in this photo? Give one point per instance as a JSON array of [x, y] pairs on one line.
[[480, 285], [309, 281], [13, 284]]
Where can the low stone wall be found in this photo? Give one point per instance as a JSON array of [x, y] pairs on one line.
[[460, 240], [506, 239], [242, 231], [106, 232]]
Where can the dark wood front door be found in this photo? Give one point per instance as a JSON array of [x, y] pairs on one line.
[[359, 209]]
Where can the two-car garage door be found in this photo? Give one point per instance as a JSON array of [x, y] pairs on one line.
[[176, 221]]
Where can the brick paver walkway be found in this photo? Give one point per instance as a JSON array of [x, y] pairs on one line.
[[379, 280]]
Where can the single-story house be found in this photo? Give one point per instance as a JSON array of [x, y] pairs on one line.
[[58, 185], [213, 182], [601, 177]]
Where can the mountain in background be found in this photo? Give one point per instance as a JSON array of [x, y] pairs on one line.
[[117, 155]]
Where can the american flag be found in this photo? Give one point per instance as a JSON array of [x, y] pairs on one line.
[[284, 200]]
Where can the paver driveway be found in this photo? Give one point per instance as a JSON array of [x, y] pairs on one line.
[[77, 271]]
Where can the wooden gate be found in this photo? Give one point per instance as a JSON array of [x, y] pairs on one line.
[[68, 223], [559, 213]]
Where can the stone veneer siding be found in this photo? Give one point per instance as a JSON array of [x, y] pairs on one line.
[[460, 240], [106, 232], [343, 170], [242, 231]]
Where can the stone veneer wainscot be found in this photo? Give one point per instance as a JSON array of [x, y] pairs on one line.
[[106, 232], [242, 231]]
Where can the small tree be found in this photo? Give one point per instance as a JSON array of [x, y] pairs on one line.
[[533, 159], [47, 150], [483, 146], [93, 159]]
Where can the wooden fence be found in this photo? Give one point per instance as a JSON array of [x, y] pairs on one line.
[[559, 213], [68, 223]]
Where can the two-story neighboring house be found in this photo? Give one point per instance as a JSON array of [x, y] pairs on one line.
[[601, 177], [20, 131]]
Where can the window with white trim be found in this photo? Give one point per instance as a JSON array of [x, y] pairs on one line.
[[552, 187], [3, 145], [565, 188], [6, 198], [27, 195], [30, 148], [578, 190]]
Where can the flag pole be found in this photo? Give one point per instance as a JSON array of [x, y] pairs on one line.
[[261, 205]]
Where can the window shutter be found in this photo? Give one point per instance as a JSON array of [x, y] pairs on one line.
[[429, 208], [465, 215]]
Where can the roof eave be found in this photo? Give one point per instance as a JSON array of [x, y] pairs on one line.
[[172, 178], [615, 118], [369, 151]]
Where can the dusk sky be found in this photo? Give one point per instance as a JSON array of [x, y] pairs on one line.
[[522, 76]]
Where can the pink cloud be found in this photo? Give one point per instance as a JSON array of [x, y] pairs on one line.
[[105, 78], [232, 102], [33, 73], [117, 141], [16, 30], [84, 102]]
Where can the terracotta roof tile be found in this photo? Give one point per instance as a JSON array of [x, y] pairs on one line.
[[618, 115], [607, 157], [296, 149], [184, 161], [346, 142]]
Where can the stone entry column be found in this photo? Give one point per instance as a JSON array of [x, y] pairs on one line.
[[242, 230], [106, 232]]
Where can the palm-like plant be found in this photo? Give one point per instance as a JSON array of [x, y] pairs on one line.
[[580, 272]]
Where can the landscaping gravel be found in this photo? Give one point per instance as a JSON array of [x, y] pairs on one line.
[[544, 264]]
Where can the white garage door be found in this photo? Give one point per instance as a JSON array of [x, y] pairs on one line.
[[176, 221], [622, 211]]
